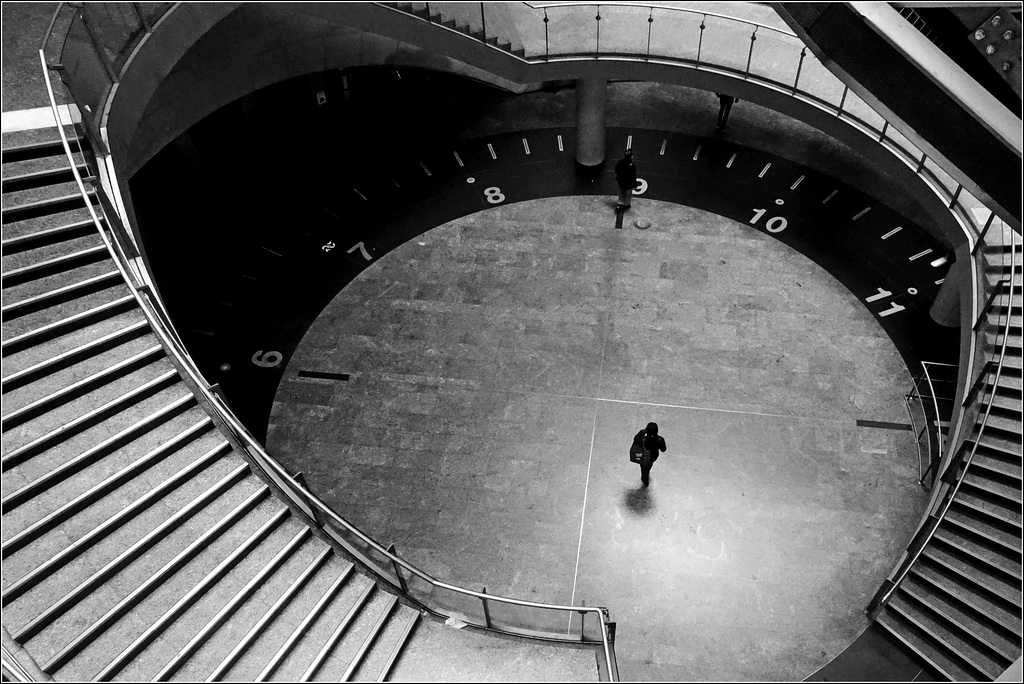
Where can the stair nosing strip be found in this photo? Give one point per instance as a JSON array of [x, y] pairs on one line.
[[969, 578], [891, 629], [97, 534], [58, 328], [942, 642], [101, 450], [217, 621], [112, 277], [82, 387], [71, 258], [303, 626], [332, 641], [970, 635], [214, 576], [89, 420], [127, 603], [113, 566], [282, 601], [370, 639], [396, 652]]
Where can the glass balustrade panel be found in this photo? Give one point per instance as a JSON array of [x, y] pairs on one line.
[[819, 82], [116, 27], [152, 11], [776, 57], [675, 35], [624, 30], [529, 28], [452, 603], [857, 108], [726, 44], [84, 75], [512, 617], [572, 30], [902, 144], [944, 180], [466, 16]]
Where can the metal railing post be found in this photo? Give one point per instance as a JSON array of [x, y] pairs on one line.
[[956, 195], [984, 231], [487, 609], [885, 127], [700, 39], [428, 13], [842, 100], [547, 48], [799, 67], [583, 617], [920, 164], [750, 53], [398, 573], [597, 51], [483, 22], [650, 25]]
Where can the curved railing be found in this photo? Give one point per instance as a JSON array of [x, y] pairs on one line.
[[941, 504], [551, 622], [932, 427], [94, 56], [754, 51]]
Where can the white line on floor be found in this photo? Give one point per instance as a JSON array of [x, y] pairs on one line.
[[892, 232], [798, 180], [40, 117], [670, 406], [583, 514]]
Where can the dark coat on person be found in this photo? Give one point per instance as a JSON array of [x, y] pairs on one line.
[[625, 173], [654, 443]]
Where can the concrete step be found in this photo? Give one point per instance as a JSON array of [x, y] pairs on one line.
[[970, 620], [47, 237], [55, 412], [67, 366], [26, 259], [158, 582], [943, 639]]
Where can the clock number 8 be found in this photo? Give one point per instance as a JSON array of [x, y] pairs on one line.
[[493, 195]]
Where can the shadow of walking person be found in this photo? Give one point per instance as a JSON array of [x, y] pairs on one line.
[[639, 500]]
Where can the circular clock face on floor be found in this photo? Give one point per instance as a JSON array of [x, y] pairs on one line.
[[458, 350], [472, 396]]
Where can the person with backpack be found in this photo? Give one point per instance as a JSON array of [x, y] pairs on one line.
[[647, 446]]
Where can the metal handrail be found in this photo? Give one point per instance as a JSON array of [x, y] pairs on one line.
[[156, 318], [670, 8], [950, 197], [951, 492]]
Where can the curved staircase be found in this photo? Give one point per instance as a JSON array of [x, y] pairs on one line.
[[137, 544], [959, 607]]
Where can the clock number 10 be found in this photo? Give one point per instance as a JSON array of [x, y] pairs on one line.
[[776, 224]]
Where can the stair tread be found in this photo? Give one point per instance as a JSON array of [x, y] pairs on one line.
[[967, 617], [953, 585], [1002, 588], [978, 662]]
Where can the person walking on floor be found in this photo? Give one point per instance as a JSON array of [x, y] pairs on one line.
[[648, 445], [725, 103], [625, 177]]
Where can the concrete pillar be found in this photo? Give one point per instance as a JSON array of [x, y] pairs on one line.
[[590, 105], [945, 310]]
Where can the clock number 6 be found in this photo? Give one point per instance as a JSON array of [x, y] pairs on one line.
[[268, 360]]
